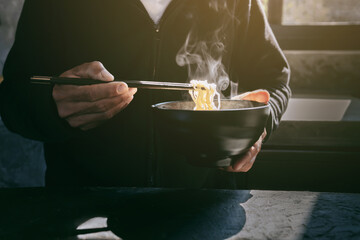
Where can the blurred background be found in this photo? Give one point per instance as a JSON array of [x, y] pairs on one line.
[[317, 145]]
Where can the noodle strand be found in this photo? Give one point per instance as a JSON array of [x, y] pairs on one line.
[[204, 94]]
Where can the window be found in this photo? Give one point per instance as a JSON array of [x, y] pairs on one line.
[[321, 39], [321, 12], [315, 25]]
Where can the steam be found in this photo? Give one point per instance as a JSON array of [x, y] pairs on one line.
[[203, 57], [204, 60]]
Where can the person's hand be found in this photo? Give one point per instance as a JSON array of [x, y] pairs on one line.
[[260, 95], [245, 163], [86, 107]]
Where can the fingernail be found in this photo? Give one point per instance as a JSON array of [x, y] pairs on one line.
[[121, 87]]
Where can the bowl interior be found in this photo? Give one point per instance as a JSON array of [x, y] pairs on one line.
[[225, 105]]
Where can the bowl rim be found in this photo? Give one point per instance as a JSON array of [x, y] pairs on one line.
[[262, 106]]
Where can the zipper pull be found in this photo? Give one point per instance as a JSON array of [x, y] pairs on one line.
[[157, 28]]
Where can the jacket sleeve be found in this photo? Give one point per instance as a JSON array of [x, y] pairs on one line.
[[25, 109], [259, 63]]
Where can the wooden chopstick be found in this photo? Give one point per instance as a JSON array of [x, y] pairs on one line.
[[130, 83]]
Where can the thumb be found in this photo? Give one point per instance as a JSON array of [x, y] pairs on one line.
[[262, 96], [93, 70], [96, 70], [105, 75]]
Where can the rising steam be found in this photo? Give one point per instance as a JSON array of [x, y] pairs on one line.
[[203, 57], [204, 61]]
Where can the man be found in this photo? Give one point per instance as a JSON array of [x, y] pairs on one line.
[[102, 134]]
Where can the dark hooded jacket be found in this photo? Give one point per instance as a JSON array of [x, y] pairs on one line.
[[54, 36]]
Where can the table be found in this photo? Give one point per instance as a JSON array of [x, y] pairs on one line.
[[152, 213]]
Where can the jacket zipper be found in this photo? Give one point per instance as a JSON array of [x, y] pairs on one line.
[[156, 51], [152, 151], [156, 27], [152, 161]]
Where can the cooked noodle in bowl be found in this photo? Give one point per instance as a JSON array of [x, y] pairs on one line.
[[204, 95], [209, 138]]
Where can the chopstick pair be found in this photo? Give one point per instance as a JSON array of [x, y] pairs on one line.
[[130, 83]]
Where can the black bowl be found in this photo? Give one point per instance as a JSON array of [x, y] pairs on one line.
[[210, 138]]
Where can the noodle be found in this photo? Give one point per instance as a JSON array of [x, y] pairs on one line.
[[203, 95]]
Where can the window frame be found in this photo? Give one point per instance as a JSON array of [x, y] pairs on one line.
[[312, 36]]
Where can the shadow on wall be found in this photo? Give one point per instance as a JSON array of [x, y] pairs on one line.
[[22, 161]]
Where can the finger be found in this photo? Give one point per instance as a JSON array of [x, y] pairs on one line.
[[133, 91], [261, 96], [88, 93], [105, 104], [93, 70], [85, 119], [245, 163], [90, 126], [248, 162], [263, 135], [68, 109], [238, 163], [248, 165], [238, 166]]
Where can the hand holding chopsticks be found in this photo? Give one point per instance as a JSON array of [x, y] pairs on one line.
[[87, 106], [84, 105]]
